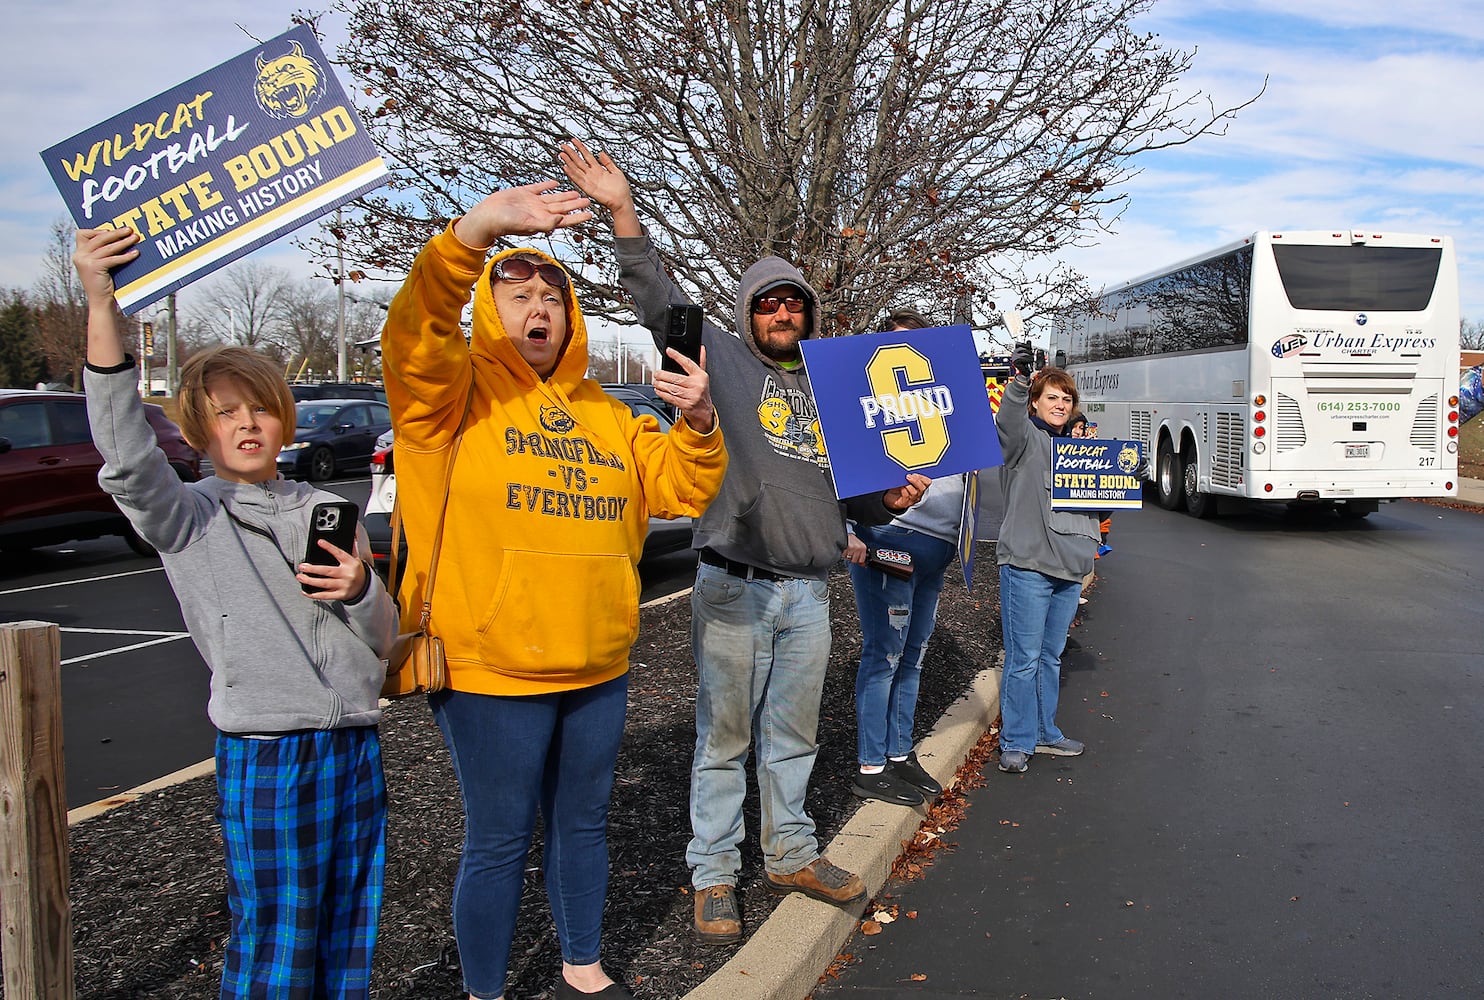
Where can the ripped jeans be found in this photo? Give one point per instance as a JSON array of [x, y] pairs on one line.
[[897, 618]]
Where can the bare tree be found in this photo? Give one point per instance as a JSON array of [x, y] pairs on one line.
[[1471, 334], [308, 326], [62, 307], [896, 150], [244, 304]]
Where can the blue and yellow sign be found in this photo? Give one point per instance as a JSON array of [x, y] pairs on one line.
[[1093, 474], [219, 165], [894, 403]]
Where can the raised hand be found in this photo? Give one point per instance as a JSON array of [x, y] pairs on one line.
[[98, 252], [521, 211], [599, 178]]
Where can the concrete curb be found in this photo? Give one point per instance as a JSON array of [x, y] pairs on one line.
[[95, 809], [784, 959]]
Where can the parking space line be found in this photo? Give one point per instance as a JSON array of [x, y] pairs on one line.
[[164, 637], [91, 579]]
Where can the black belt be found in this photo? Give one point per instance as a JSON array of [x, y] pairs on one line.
[[746, 572]]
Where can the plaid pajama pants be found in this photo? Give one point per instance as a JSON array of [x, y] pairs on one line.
[[304, 826]]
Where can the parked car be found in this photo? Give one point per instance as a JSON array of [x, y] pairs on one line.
[[642, 390], [49, 490], [665, 535], [331, 435], [337, 390]]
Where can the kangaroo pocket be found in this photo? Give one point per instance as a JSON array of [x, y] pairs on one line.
[[794, 531], [556, 616]]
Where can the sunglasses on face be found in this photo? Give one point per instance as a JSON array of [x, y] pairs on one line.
[[769, 304], [520, 269]]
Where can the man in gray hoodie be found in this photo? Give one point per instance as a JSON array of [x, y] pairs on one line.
[[760, 626]]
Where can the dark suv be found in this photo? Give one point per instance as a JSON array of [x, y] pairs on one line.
[[337, 390], [49, 490]]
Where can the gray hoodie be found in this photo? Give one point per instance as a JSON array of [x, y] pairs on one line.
[[777, 508], [1057, 543], [279, 661]]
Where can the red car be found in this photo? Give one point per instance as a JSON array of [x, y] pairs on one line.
[[49, 490]]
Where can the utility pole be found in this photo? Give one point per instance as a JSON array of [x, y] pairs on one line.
[[340, 283], [172, 374]]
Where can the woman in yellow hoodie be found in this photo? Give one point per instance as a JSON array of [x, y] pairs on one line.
[[537, 587]]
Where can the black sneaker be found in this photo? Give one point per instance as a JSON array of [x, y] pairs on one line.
[[912, 773], [886, 786]]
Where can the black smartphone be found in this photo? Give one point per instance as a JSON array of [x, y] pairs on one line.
[[684, 335], [336, 523]]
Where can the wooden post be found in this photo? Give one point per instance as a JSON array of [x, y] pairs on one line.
[[35, 915]]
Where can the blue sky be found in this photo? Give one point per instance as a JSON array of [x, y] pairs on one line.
[[1372, 118]]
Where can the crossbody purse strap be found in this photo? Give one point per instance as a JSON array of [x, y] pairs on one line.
[[426, 616]]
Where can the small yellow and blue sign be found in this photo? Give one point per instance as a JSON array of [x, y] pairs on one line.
[[1093, 474]]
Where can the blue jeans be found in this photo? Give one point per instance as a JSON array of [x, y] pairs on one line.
[[513, 755], [897, 618], [761, 650], [1036, 611]]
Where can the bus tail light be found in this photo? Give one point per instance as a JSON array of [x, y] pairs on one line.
[[1259, 431], [1267, 487]]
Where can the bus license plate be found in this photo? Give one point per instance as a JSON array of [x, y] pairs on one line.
[[1357, 451]]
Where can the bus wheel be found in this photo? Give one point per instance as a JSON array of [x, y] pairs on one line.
[[1197, 503], [1168, 480]]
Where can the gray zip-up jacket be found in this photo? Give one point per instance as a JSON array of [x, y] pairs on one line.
[[1059, 543], [279, 661], [777, 508]]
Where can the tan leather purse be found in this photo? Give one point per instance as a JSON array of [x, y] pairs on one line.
[[416, 664]]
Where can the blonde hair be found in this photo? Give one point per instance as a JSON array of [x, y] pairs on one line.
[[256, 374]]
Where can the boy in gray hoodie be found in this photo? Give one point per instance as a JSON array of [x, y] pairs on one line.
[[760, 607], [295, 651]]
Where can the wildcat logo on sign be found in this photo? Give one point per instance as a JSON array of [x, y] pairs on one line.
[[289, 86], [220, 165], [894, 403]]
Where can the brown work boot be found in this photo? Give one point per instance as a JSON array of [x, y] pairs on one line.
[[716, 914], [822, 881]]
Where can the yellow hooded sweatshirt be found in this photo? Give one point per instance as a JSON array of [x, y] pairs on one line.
[[537, 588]]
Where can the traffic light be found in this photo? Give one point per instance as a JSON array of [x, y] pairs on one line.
[[149, 339]]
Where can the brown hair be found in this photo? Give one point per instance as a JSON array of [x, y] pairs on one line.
[[258, 377], [1056, 378], [904, 319]]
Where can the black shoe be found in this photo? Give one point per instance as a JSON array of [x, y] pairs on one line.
[[613, 991], [886, 787], [912, 773]]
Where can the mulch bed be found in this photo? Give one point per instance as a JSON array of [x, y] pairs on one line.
[[148, 891]]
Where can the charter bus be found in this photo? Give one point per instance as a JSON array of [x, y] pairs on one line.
[[1316, 368]]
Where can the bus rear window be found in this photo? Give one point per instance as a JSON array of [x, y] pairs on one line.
[[1358, 278]]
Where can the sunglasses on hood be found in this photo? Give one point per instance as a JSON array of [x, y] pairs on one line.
[[521, 269]]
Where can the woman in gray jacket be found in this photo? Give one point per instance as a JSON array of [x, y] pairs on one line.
[[1043, 555]]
